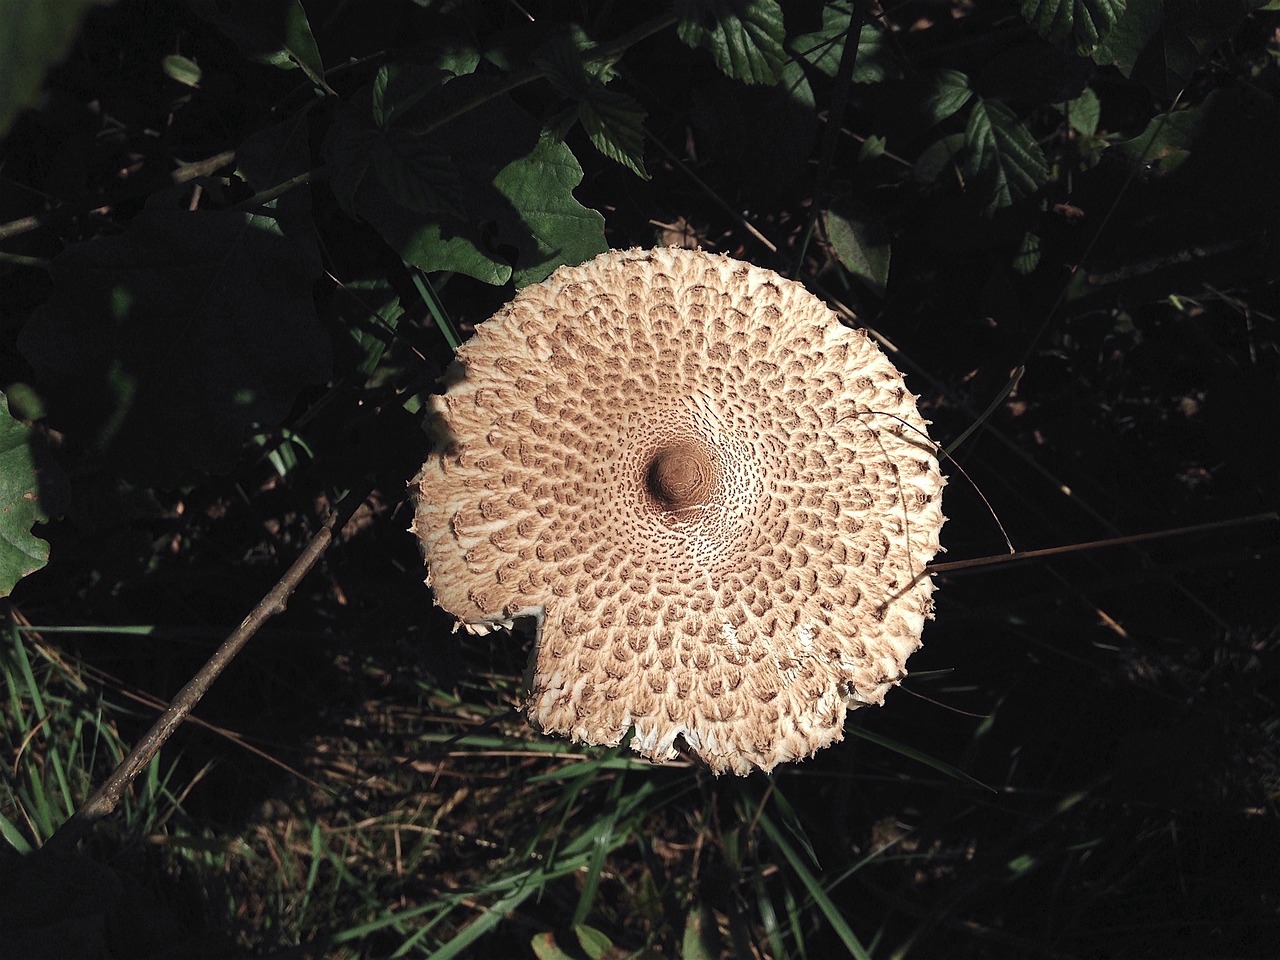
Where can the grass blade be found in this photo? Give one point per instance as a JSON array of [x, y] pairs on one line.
[[816, 892]]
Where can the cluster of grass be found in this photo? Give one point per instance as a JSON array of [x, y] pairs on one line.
[[425, 820], [416, 831]]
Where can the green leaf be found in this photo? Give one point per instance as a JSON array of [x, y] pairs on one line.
[[186, 72], [511, 212], [817, 893], [1167, 139], [948, 92], [560, 230], [1083, 113], [613, 121], [22, 501], [911, 753], [1080, 24], [940, 157], [545, 947], [417, 174], [273, 32], [792, 822], [1161, 43], [33, 37], [165, 346], [1003, 158], [744, 37], [273, 156], [594, 943], [369, 312], [399, 87], [1027, 256], [861, 244], [872, 148], [699, 941], [822, 49]]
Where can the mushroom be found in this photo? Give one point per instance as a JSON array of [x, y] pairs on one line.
[[716, 502]]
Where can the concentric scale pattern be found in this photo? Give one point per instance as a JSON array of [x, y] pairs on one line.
[[716, 501]]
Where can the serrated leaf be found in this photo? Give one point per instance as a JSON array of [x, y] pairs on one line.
[[1003, 158], [1027, 256], [21, 551], [948, 92], [822, 49], [861, 244], [33, 37], [614, 123], [168, 343], [1079, 24], [744, 37]]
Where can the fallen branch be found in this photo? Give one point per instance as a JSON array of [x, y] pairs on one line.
[[107, 797]]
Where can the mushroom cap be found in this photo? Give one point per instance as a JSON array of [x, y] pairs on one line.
[[715, 500]]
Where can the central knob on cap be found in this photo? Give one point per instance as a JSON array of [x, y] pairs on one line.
[[680, 477]]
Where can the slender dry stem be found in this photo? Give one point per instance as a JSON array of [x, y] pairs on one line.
[[107, 797]]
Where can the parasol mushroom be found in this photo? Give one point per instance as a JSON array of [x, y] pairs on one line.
[[716, 502]]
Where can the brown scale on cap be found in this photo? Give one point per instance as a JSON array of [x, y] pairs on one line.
[[716, 501]]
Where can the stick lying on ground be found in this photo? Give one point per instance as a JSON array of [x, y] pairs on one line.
[[107, 797]]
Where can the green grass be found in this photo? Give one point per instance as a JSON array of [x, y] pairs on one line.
[[410, 835]]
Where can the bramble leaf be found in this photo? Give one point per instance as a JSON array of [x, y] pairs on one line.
[[613, 121], [823, 48], [744, 37], [1027, 256], [948, 92], [21, 506], [1080, 24], [1004, 159]]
